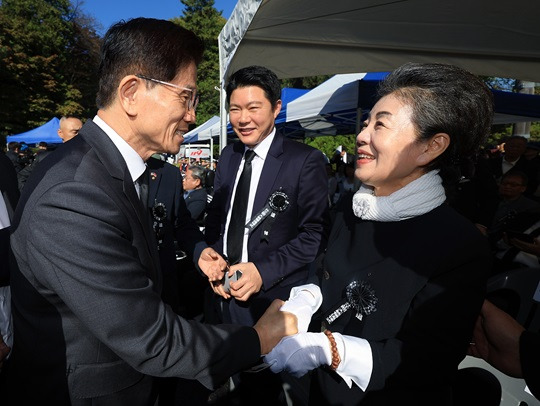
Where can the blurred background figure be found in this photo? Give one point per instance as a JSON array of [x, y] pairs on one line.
[[13, 155], [514, 159], [195, 193], [69, 128], [25, 172]]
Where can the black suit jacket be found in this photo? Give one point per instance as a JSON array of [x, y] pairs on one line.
[[10, 194], [88, 317], [426, 279], [177, 231], [196, 203], [297, 235]]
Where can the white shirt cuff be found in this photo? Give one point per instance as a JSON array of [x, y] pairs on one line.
[[356, 360]]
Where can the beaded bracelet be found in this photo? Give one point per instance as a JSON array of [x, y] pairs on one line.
[[333, 346]]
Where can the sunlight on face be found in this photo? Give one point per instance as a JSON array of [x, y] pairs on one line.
[[251, 114], [387, 147]]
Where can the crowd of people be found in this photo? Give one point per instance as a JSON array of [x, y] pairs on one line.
[[359, 280]]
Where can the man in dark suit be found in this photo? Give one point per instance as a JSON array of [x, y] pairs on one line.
[[39, 156], [173, 226], [195, 193], [90, 325], [513, 159], [286, 206], [13, 155], [183, 285]]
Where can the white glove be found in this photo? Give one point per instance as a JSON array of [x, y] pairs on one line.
[[300, 353], [303, 302]]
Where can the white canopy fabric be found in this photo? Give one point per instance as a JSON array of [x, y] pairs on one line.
[[207, 130], [297, 38], [338, 97], [342, 100], [317, 101]]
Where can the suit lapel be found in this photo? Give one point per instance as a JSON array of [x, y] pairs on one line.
[[114, 163], [146, 223], [155, 180], [270, 172]]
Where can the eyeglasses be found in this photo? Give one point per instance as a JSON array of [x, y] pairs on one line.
[[193, 101]]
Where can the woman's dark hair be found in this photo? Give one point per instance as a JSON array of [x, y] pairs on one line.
[[155, 48], [255, 76], [444, 99]]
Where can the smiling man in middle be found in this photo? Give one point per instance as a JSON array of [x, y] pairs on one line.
[[269, 213]]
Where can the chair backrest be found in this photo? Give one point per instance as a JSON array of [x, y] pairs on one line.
[[514, 292]]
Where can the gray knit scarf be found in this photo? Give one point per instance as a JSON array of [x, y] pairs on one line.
[[414, 199]]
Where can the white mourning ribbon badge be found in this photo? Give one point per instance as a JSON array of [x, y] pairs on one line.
[[277, 203], [159, 214], [360, 296]]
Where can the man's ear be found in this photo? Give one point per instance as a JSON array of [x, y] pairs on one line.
[[128, 93], [277, 109], [434, 148]]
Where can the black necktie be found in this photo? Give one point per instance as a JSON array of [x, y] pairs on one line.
[[143, 188], [235, 235]]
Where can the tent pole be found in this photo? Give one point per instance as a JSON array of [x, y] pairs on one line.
[[223, 120], [222, 109], [211, 151]]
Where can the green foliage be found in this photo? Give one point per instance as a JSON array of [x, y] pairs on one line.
[[328, 144], [48, 63], [500, 131], [203, 19]]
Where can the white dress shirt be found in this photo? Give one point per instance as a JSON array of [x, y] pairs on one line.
[[261, 151], [134, 162]]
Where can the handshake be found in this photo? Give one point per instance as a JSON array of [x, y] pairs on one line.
[[296, 353]]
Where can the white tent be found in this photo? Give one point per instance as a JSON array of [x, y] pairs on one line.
[[297, 38], [344, 98], [206, 131], [336, 101]]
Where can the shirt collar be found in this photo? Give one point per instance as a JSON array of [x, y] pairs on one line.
[[262, 148], [134, 162]]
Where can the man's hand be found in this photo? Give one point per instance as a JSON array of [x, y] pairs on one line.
[[218, 288], [496, 340], [250, 282], [531, 248], [212, 264], [273, 325], [483, 229]]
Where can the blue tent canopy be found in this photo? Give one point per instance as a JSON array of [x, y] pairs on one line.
[[334, 106], [48, 132]]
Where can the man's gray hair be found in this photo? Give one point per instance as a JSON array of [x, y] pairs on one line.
[[198, 172]]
